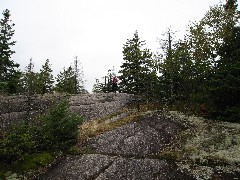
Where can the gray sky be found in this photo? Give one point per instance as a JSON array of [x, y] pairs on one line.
[[93, 30]]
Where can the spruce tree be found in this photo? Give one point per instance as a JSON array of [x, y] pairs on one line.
[[45, 79], [225, 83], [79, 77], [98, 87], [136, 70], [9, 75], [29, 79], [66, 81]]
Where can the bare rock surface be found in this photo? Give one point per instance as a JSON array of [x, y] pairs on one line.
[[127, 152], [100, 167], [86, 166], [16, 109], [147, 136], [93, 106]]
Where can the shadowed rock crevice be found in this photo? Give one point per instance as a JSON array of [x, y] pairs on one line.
[[102, 170], [86, 166]]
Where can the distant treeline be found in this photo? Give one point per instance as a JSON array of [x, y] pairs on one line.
[[198, 74], [13, 81]]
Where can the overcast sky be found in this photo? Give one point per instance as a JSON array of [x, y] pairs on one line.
[[93, 30]]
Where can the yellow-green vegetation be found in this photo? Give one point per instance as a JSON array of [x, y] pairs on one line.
[[208, 143], [99, 126]]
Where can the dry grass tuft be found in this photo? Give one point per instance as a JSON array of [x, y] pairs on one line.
[[95, 127]]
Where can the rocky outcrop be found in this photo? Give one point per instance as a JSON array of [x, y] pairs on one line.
[[145, 137], [15, 109], [127, 152], [101, 167], [93, 106]]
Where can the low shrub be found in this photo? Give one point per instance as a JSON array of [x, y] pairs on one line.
[[60, 130], [16, 144]]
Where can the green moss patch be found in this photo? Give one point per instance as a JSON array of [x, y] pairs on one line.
[[32, 162], [29, 164]]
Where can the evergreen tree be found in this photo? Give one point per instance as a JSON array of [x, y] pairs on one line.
[[29, 79], [136, 71], [168, 67], [79, 82], [45, 79], [106, 85], [9, 75], [225, 82], [177, 74], [98, 87], [66, 81]]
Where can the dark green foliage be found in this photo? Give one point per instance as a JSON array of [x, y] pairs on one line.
[[106, 86], [33, 161], [71, 79], [9, 75], [178, 80], [225, 83], [57, 131], [45, 79], [17, 143], [231, 5], [38, 83], [60, 128], [30, 163], [137, 71], [29, 78], [201, 72], [78, 75], [66, 81], [98, 87]]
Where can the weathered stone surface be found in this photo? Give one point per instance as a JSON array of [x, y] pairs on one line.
[[125, 153], [144, 137], [101, 167], [87, 166], [14, 109], [131, 168], [93, 106]]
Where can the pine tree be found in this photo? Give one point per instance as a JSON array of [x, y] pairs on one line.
[[66, 81], [29, 79], [45, 79], [225, 83], [9, 75], [168, 66], [136, 71], [79, 76], [98, 87], [106, 84]]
